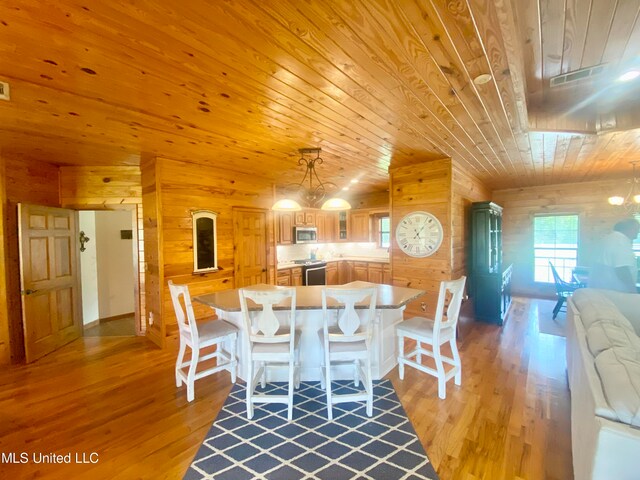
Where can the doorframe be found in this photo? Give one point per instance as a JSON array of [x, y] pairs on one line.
[[133, 208]]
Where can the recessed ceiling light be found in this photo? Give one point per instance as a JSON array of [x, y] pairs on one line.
[[629, 75], [482, 79], [345, 188], [355, 180]]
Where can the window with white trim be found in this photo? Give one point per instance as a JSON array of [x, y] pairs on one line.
[[555, 240]]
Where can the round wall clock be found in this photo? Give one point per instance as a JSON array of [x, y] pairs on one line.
[[419, 234]]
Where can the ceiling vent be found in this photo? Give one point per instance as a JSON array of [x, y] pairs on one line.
[[578, 75], [4, 91]]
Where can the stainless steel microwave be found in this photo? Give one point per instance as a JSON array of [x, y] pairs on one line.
[[305, 235]]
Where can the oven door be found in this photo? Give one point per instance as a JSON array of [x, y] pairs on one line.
[[315, 275]]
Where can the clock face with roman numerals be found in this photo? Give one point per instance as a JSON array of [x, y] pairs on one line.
[[419, 234]]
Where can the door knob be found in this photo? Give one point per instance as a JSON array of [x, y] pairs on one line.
[[28, 291]]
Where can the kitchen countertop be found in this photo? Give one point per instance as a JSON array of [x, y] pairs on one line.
[[285, 265], [310, 297]]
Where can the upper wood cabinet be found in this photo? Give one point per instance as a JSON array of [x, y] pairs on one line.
[[359, 228], [325, 223], [305, 218], [341, 227], [285, 228]]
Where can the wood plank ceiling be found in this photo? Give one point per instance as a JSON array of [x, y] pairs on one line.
[[242, 85]]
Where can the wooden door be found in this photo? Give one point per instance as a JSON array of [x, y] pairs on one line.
[[49, 279], [251, 249]]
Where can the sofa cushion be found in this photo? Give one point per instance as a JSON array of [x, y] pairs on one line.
[[628, 304], [605, 334], [619, 371], [594, 306]]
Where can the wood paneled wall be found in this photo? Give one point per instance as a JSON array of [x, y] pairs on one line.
[[25, 182], [371, 200], [445, 189], [466, 189], [587, 199], [154, 268], [427, 187], [41, 183], [5, 348], [181, 188], [108, 188]]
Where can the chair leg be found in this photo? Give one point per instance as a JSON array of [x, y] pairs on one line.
[[297, 369], [418, 354], [557, 308], [401, 357], [263, 378], [442, 393], [292, 374], [327, 381], [233, 366], [456, 361], [180, 359], [249, 391], [356, 373], [369, 388], [191, 375]]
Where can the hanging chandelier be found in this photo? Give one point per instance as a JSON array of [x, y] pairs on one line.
[[306, 192], [631, 202]]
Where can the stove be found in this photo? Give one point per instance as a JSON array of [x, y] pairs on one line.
[[308, 261], [314, 272]]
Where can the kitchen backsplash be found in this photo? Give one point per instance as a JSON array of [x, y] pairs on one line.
[[329, 251]]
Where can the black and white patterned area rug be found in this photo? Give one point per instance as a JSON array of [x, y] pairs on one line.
[[352, 446]]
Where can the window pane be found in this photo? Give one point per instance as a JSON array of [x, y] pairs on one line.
[[555, 240], [384, 226]]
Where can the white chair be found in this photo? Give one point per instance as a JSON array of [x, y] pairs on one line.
[[435, 333], [199, 336], [346, 339], [271, 343]]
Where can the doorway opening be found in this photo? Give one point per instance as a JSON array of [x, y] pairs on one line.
[[108, 274]]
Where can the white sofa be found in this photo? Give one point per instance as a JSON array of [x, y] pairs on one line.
[[603, 366]]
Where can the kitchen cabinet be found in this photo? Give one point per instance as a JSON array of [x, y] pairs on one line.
[[345, 272], [285, 228], [359, 228], [305, 218], [332, 273], [386, 274], [289, 277], [284, 277], [341, 227], [489, 280], [361, 271], [325, 223], [296, 277], [374, 272]]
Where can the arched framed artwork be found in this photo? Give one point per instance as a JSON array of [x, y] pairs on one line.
[[205, 242]]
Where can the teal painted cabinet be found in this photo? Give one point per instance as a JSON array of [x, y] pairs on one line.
[[490, 280]]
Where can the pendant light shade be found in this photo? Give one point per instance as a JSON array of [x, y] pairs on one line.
[[336, 204], [286, 205], [306, 192]]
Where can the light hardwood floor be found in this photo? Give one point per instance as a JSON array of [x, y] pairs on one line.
[[117, 397]]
